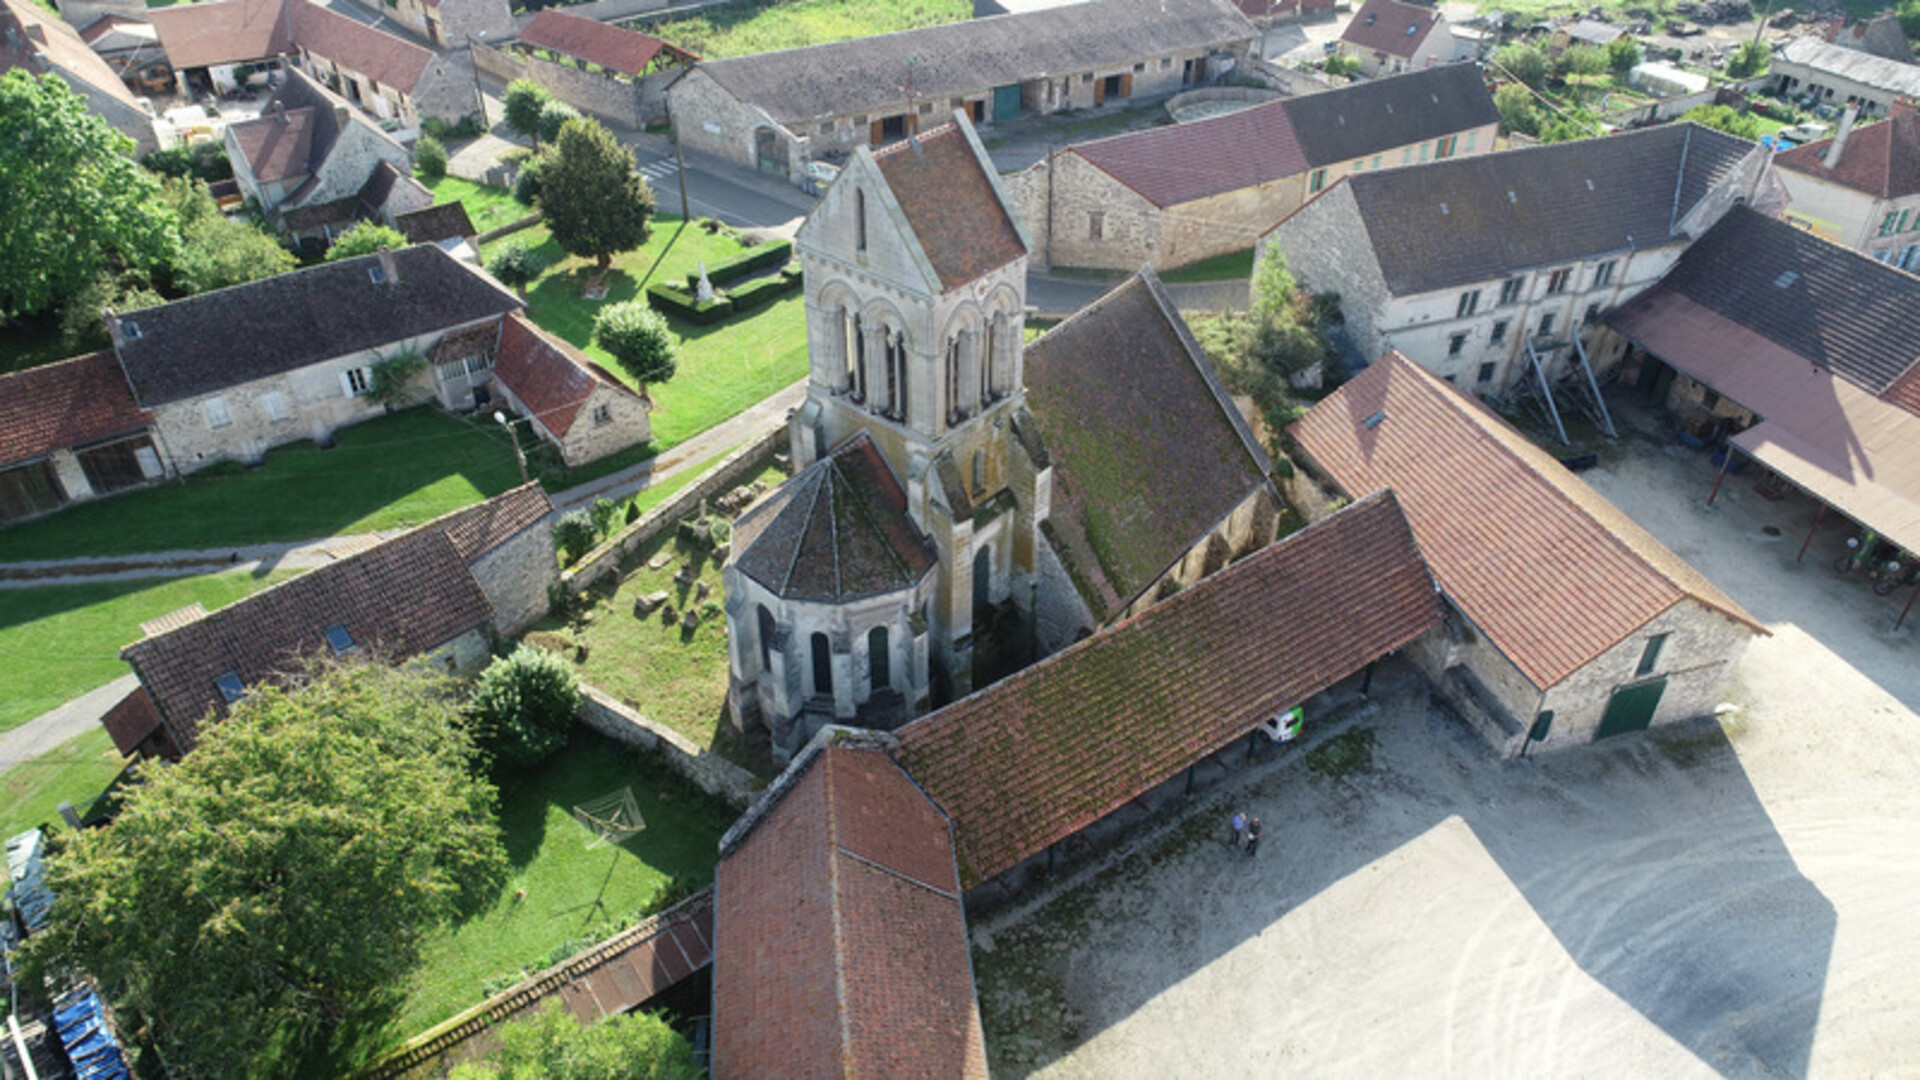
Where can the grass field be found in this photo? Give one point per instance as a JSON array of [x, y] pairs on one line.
[[489, 207], [723, 368], [756, 26], [389, 472], [563, 896], [61, 641], [1233, 266], [76, 772]]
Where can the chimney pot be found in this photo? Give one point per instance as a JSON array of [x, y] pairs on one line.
[[1832, 159]]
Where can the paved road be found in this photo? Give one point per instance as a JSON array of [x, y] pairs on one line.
[[49, 731]]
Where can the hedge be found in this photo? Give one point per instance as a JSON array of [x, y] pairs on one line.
[[759, 293], [681, 305]]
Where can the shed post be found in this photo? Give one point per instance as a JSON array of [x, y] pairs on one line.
[[1808, 542], [1726, 461], [1911, 597]]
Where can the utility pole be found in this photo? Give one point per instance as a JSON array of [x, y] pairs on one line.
[[479, 95], [680, 164]]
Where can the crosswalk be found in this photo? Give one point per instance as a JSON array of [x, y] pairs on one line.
[[659, 172]]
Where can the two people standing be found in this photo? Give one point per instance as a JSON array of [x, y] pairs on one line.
[[1246, 833]]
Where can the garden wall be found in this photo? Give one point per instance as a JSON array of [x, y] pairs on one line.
[[630, 103], [713, 774], [729, 473]]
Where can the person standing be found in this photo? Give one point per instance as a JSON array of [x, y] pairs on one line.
[[1238, 824], [1253, 836]]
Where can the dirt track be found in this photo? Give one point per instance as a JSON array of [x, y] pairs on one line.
[[1734, 897]]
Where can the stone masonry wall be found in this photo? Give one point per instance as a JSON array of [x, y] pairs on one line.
[[628, 424], [631, 103], [713, 774], [1327, 248], [1701, 649], [516, 577]]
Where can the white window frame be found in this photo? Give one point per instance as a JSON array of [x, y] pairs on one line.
[[216, 411], [274, 404]]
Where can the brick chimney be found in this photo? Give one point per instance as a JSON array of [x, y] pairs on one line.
[[1901, 106], [1832, 160]]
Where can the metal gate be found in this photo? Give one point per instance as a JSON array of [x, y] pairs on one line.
[[1631, 708]]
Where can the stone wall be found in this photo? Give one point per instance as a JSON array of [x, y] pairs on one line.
[[1328, 248], [591, 438], [633, 103], [1701, 649], [732, 470], [516, 577], [711, 773]]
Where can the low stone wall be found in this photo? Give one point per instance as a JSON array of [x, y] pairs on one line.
[[1206, 94], [713, 774], [731, 470], [1285, 80], [630, 103], [509, 228]]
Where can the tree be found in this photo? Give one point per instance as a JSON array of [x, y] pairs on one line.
[[523, 100], [73, 205], [596, 203], [1752, 58], [1724, 118], [1623, 55], [516, 265], [1286, 332], [261, 901], [1584, 60], [365, 238], [1517, 112], [523, 705], [526, 182], [1566, 129], [638, 337], [82, 325], [1909, 15], [552, 1045], [215, 250], [1523, 62], [430, 157], [554, 116]]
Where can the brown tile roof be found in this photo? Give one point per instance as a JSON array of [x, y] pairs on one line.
[[280, 146], [448, 221], [64, 405], [1149, 452], [1241, 149], [402, 597], [1881, 160], [478, 529], [549, 376], [836, 532], [196, 35], [131, 720], [388, 60], [1906, 392], [950, 200], [44, 39], [1391, 27], [611, 47], [1045, 753], [1552, 573], [841, 943], [1831, 305]]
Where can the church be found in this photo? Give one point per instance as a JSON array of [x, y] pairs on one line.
[[963, 504]]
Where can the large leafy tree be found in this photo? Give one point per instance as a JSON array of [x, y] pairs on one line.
[[73, 205], [215, 250], [524, 101], [1286, 332], [258, 903], [552, 1045], [596, 203], [638, 337]]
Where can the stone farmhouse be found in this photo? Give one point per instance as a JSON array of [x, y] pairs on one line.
[[1861, 188], [1491, 271], [440, 595], [69, 432], [611, 72], [1807, 67], [1802, 355], [1880, 35], [571, 401], [36, 41], [1567, 621], [454, 24], [1391, 36], [1171, 196], [778, 111], [919, 542]]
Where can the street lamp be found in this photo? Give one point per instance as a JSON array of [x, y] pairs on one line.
[[518, 454]]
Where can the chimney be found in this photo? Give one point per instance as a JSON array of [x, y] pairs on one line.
[[389, 267], [115, 332], [1832, 159], [1901, 106]]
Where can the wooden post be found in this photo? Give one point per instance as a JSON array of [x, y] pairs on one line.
[[1808, 542], [1726, 462], [1911, 597]]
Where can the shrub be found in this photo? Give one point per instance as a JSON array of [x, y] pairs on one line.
[[433, 127], [681, 305], [523, 705], [516, 265], [1750, 59], [603, 514], [365, 238], [524, 100], [553, 116], [1523, 62], [1338, 64], [430, 157], [638, 337], [1623, 55], [574, 535], [756, 294], [526, 183]]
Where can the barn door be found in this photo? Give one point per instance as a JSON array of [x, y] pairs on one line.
[[1006, 103], [1631, 708]]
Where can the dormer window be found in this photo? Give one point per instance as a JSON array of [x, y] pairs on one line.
[[230, 687], [130, 330], [339, 640]]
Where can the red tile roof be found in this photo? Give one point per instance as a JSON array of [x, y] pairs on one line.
[[549, 376], [611, 47], [1391, 27], [1552, 573], [1172, 165], [480, 528], [1881, 160], [841, 942], [1906, 392], [1043, 754], [131, 720], [44, 39], [223, 31], [950, 199], [388, 60], [64, 405]]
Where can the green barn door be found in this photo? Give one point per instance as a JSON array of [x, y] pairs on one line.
[[1631, 708], [1006, 103]]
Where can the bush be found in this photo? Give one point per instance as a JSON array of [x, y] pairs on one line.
[[1523, 62], [638, 337], [1585, 60], [524, 100], [1338, 64], [553, 116], [523, 705], [526, 184], [430, 157], [603, 514], [516, 265], [1748, 60], [757, 294], [433, 127], [202, 161], [1623, 55], [682, 305], [575, 535], [365, 238]]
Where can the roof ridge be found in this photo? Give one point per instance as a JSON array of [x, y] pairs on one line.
[[786, 579]]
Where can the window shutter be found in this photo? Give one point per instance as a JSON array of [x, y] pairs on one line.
[[346, 382]]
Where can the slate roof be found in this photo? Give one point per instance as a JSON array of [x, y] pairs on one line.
[[131, 720], [388, 60], [284, 323], [1861, 67], [1551, 572], [838, 531], [611, 47], [841, 944], [60, 406], [222, 31], [1184, 162], [403, 597], [448, 221], [952, 204], [1594, 32], [44, 40], [1391, 27], [1881, 160], [1470, 219], [549, 376], [1839, 309], [1149, 453], [280, 146], [1046, 752], [868, 74], [482, 527]]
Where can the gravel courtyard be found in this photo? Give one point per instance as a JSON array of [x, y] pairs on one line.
[[1738, 897]]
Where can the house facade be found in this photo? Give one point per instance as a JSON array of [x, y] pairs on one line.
[[1137, 199], [1387, 37], [69, 432], [571, 401], [1826, 74], [385, 76], [1491, 271], [779, 111], [35, 40], [1861, 188]]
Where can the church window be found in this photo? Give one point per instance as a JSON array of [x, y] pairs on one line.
[[879, 659], [859, 220], [768, 630], [979, 471], [822, 666], [854, 348], [955, 410]]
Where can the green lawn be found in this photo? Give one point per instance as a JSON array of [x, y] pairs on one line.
[[490, 207], [61, 641], [1233, 266], [756, 26], [563, 896], [389, 472], [723, 369], [76, 772]]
